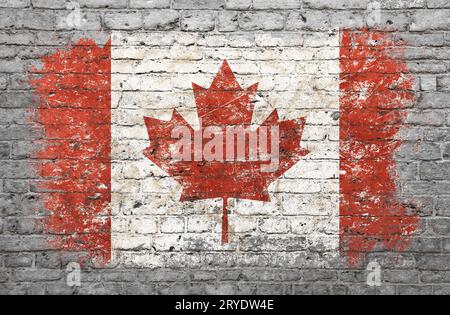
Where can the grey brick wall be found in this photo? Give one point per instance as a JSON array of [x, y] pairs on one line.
[[32, 28]]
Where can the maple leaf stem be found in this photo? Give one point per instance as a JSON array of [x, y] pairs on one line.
[[225, 221]]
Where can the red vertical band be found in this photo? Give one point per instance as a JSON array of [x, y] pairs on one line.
[[74, 109], [375, 89]]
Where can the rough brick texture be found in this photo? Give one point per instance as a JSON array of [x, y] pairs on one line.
[[32, 28]]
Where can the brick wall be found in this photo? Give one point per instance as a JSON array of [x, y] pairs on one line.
[[32, 28]]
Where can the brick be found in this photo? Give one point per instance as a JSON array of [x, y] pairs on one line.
[[3, 82], [14, 3], [426, 245], [428, 20], [187, 289], [446, 245], [246, 289], [271, 289], [103, 4], [39, 20], [14, 186], [438, 4], [8, 52], [220, 289], [16, 100], [139, 289], [19, 261], [9, 18], [49, 4], [198, 4], [447, 152], [24, 226], [228, 21], [277, 40], [419, 53], [440, 54], [260, 243], [444, 84], [401, 4], [4, 276], [244, 225], [38, 275], [436, 134], [408, 171], [172, 225], [434, 100], [440, 226], [426, 151], [346, 19], [420, 40], [427, 188], [433, 118], [423, 206], [238, 4], [199, 224], [441, 290], [8, 205], [443, 207], [12, 66], [31, 205], [308, 20], [399, 21], [149, 4], [320, 275], [435, 277], [274, 226], [435, 171], [428, 67], [351, 276], [339, 289], [118, 276], [281, 4], [204, 275], [90, 22], [321, 289], [19, 81], [428, 83], [16, 169], [49, 260], [5, 151], [212, 41], [16, 38], [254, 275], [344, 4], [162, 20], [303, 289], [144, 226], [253, 21], [401, 276], [415, 290], [104, 288], [198, 21], [23, 150], [123, 21], [447, 39]]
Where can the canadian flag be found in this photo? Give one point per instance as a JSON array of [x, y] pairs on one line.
[[185, 143]]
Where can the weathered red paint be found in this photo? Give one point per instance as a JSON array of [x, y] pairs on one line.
[[74, 109], [375, 89], [225, 103]]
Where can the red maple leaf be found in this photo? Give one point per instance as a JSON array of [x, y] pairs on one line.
[[224, 104]]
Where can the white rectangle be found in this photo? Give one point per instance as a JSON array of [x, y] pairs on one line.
[[152, 75]]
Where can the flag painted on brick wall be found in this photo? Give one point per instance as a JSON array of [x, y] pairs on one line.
[[188, 144]]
